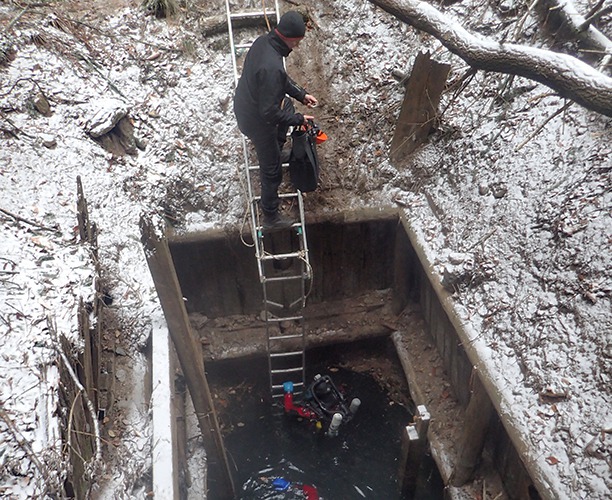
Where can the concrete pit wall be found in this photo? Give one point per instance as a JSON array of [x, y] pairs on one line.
[[349, 254]]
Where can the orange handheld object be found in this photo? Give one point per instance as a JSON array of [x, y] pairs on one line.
[[316, 132]]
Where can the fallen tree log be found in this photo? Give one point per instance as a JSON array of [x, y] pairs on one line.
[[567, 75], [218, 24]]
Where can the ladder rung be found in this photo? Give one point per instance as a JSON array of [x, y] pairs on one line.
[[285, 354], [288, 195], [275, 304], [253, 168], [243, 45], [278, 395], [295, 224], [253, 14], [286, 318], [287, 370], [286, 278], [296, 385], [278, 256], [286, 337], [280, 195], [296, 390], [296, 302]]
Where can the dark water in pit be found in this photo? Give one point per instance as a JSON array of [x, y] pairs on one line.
[[361, 462]]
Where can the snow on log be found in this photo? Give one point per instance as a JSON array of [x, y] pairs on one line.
[[248, 19], [570, 77]]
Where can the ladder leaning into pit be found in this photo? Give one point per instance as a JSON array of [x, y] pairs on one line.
[[282, 257]]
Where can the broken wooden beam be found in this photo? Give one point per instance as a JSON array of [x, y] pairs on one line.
[[418, 113]]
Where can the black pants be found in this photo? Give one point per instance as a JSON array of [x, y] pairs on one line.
[[268, 141]]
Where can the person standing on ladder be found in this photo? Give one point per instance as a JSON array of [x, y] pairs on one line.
[[263, 112]]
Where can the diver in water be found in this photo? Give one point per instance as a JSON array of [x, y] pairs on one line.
[[323, 403]]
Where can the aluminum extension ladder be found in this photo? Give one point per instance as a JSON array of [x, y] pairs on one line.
[[282, 257]]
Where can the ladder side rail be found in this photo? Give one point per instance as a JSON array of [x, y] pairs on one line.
[[268, 335], [230, 30], [303, 321], [252, 209], [304, 237], [259, 245], [303, 326]]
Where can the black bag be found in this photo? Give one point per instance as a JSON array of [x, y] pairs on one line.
[[303, 162]]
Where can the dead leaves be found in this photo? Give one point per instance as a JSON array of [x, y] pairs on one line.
[[550, 395]]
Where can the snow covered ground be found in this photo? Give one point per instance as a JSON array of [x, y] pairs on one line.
[[521, 224]]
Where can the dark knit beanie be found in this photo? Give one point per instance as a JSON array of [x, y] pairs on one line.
[[291, 25]]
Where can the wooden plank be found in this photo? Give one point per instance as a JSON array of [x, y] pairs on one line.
[[420, 105], [403, 274], [422, 419], [477, 417], [82, 213], [165, 403], [88, 368], [464, 368], [410, 461], [189, 354]]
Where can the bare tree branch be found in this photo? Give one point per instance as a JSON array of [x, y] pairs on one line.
[[537, 131], [24, 443], [27, 221], [595, 17], [567, 75], [595, 8]]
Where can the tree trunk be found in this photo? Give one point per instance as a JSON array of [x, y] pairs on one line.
[[569, 76], [564, 22]]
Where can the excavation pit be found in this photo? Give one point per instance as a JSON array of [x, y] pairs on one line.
[[367, 282]]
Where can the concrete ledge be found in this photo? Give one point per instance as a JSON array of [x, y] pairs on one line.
[[477, 353], [164, 457]]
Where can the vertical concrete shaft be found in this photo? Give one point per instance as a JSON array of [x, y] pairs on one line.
[[189, 354]]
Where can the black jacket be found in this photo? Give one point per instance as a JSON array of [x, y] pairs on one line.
[[264, 84]]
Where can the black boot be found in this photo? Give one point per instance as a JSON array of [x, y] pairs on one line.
[[276, 221]]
